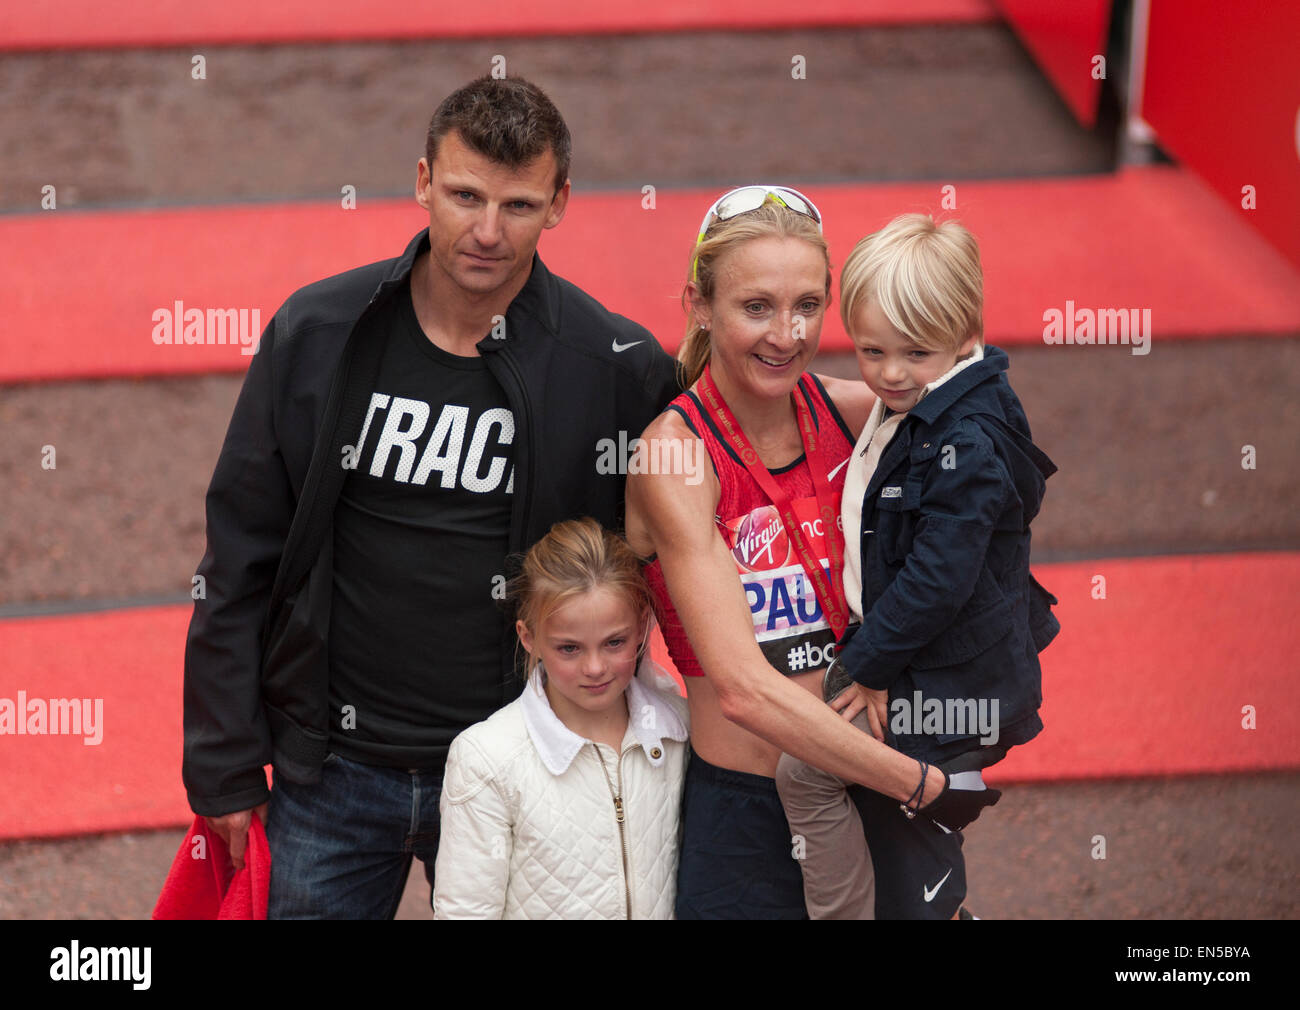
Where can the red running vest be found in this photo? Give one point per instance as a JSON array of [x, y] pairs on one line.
[[789, 626]]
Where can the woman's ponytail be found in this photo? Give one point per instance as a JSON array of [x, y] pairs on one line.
[[694, 353]]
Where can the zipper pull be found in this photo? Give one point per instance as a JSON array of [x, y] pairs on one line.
[[618, 809]]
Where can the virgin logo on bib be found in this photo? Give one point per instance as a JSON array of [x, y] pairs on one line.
[[789, 624], [759, 541]]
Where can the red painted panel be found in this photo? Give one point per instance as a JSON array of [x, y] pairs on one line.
[[1223, 95], [1064, 36]]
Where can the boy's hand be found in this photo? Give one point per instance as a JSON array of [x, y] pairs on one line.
[[854, 698]]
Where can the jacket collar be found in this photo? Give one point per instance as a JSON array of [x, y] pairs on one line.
[[957, 382], [877, 416], [538, 298], [557, 745], [936, 398], [402, 266]]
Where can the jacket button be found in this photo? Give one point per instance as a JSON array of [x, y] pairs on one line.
[[925, 445], [656, 753]]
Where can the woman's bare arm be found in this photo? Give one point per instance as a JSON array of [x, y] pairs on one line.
[[678, 519]]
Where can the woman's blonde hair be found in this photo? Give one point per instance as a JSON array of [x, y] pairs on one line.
[[771, 219], [926, 278], [575, 557]]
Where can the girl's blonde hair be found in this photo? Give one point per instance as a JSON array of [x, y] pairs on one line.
[[575, 557], [771, 219], [926, 278]]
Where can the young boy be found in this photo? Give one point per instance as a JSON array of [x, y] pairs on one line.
[[938, 497]]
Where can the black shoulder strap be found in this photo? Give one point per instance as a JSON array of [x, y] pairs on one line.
[[676, 409], [831, 408], [809, 397]]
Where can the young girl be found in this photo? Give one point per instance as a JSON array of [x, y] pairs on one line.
[[565, 803]]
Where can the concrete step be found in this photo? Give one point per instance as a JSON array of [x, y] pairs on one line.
[[131, 127]]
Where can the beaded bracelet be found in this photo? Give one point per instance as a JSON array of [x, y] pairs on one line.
[[918, 794]]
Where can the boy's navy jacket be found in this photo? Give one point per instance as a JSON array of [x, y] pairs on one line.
[[257, 656], [949, 607]]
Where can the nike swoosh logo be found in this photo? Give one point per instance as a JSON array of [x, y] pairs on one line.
[[618, 348], [929, 894], [831, 475]]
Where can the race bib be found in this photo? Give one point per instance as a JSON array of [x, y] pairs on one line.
[[789, 624]]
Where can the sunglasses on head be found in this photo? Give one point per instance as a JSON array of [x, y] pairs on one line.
[[747, 198]]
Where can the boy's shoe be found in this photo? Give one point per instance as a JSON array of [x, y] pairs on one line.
[[965, 795]]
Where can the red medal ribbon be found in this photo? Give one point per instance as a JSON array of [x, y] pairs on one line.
[[830, 593]]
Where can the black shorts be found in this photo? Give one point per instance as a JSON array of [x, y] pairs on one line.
[[737, 856], [920, 870]]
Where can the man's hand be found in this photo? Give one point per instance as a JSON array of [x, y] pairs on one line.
[[854, 698], [233, 830]]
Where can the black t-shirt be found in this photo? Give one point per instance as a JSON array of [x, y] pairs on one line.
[[421, 532]]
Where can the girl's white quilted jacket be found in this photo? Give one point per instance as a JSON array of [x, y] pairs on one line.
[[530, 824]]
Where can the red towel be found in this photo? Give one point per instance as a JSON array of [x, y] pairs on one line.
[[204, 884]]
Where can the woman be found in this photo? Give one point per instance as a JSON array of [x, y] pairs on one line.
[[753, 648]]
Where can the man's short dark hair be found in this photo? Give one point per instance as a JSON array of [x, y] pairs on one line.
[[510, 121]]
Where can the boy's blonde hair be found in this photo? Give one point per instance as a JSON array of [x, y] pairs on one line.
[[926, 278], [575, 557]]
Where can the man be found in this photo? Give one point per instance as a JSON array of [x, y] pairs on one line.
[[402, 428]]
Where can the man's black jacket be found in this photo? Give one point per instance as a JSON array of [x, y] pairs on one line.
[[256, 659]]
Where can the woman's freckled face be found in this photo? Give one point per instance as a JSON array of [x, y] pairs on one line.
[[766, 315]]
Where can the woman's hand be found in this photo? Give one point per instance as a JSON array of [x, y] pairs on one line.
[[961, 796], [854, 698]]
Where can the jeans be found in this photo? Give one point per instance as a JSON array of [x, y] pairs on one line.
[[342, 849]]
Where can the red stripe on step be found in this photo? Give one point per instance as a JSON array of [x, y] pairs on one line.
[[82, 297], [63, 24], [1159, 677]]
